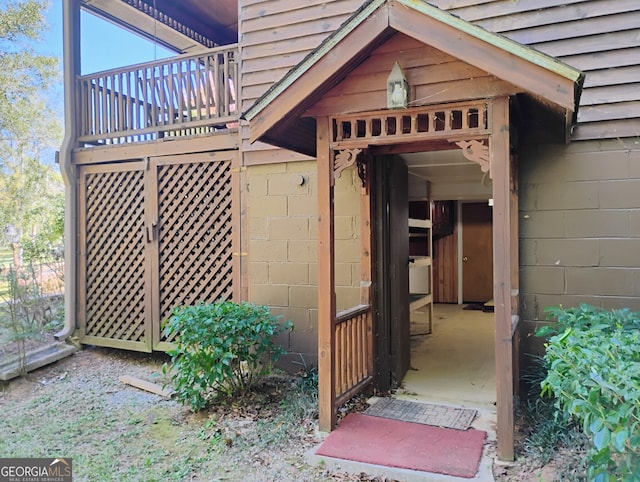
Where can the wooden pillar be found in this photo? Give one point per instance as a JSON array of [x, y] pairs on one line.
[[502, 273], [326, 281]]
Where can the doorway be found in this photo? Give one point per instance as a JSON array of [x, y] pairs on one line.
[[455, 364], [477, 252]]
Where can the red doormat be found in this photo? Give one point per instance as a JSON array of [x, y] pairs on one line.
[[414, 446]]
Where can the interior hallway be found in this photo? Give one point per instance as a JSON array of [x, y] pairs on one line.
[[455, 365]]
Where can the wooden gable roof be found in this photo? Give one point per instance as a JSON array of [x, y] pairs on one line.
[[277, 117]]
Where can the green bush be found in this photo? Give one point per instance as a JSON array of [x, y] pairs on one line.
[[220, 349], [593, 362]]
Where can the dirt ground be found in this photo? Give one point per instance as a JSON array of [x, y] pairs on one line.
[[79, 408]]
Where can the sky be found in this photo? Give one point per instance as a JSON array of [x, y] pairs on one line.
[[103, 45]]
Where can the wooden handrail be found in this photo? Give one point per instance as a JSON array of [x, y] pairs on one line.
[[352, 312], [144, 101]]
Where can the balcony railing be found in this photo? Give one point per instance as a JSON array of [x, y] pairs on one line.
[[183, 95]]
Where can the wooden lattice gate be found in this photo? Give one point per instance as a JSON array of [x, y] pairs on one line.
[[154, 234]]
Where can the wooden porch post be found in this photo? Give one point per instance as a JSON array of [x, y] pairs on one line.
[[502, 273], [326, 281]]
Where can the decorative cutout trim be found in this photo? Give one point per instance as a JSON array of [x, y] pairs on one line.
[[343, 159], [476, 151]]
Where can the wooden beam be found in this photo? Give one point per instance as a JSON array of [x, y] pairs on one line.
[[220, 141], [326, 281], [502, 273]]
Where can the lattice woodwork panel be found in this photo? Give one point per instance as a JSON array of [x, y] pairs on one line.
[[195, 234], [115, 255]]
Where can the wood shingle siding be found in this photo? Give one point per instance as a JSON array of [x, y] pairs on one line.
[[601, 38]]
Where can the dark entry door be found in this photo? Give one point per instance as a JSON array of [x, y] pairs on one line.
[[392, 262], [477, 252]]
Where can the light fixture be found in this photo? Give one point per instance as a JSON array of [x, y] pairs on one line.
[[398, 90]]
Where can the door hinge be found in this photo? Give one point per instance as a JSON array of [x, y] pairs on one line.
[[239, 169], [240, 254]]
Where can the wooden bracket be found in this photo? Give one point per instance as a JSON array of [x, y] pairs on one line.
[[476, 151], [343, 159], [363, 165]]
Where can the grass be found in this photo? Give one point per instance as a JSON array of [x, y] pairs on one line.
[[116, 433]]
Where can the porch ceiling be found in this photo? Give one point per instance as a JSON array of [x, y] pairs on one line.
[[278, 116], [214, 20]]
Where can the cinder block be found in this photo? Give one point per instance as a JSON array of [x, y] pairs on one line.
[[541, 224], [269, 295], [527, 252], [566, 301], [593, 166], [266, 169], [347, 205], [542, 280], [313, 274], [303, 251], [313, 319], [306, 205], [347, 297], [289, 228], [620, 252], [303, 296], [259, 273], [257, 186], [313, 227], [343, 274], [618, 303], [528, 306], [567, 195], [287, 184], [634, 164], [619, 194], [302, 167], [268, 206], [600, 281], [345, 227], [634, 223], [298, 316], [595, 223], [567, 252], [258, 228], [356, 275], [304, 341], [289, 273], [347, 250], [527, 197], [548, 166], [268, 250]]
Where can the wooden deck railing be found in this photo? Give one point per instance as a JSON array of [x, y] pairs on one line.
[[177, 96], [354, 351]]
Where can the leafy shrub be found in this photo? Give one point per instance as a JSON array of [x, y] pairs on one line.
[[593, 362], [220, 349]]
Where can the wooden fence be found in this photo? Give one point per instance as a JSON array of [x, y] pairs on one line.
[[354, 363], [181, 95]]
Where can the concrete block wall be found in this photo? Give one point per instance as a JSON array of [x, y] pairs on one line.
[[579, 222], [283, 261]]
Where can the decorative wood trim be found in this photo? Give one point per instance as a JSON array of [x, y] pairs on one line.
[[342, 160], [385, 127], [476, 151]]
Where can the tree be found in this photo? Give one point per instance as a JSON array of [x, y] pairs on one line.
[[31, 189]]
